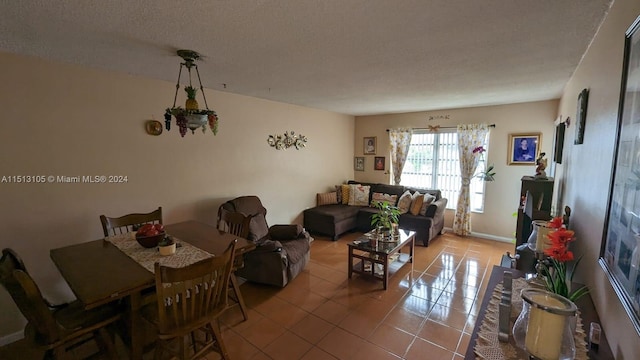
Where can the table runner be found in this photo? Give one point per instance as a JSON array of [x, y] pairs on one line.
[[186, 254], [489, 347]]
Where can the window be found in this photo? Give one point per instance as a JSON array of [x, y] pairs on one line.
[[433, 163]]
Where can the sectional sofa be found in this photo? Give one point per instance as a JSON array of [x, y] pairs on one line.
[[333, 219]]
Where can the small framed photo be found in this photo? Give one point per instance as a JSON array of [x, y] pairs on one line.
[[524, 148], [378, 163], [370, 145], [358, 163]]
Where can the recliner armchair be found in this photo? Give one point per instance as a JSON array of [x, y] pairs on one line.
[[282, 251]]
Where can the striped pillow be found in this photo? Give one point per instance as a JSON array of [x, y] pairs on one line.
[[326, 198], [380, 197]]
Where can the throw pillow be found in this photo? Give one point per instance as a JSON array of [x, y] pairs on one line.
[[416, 203], [285, 232], [428, 199], [326, 198], [339, 193], [345, 194], [404, 203], [359, 195], [391, 199]]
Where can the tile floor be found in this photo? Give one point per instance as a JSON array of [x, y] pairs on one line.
[[428, 311]]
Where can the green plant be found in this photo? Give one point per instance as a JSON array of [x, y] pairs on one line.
[[554, 269], [387, 214]]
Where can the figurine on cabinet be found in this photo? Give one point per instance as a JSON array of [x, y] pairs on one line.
[[541, 165]]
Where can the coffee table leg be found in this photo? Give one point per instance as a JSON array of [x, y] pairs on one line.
[[350, 262], [412, 245], [385, 270]]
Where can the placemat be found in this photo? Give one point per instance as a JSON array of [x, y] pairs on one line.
[[186, 254], [489, 347]]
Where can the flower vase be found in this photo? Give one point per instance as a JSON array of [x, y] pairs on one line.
[[545, 327]]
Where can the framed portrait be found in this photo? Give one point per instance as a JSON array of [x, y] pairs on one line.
[[524, 148], [581, 116], [620, 248], [370, 145], [358, 163], [378, 164]]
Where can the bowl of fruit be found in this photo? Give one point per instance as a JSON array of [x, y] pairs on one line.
[[149, 235]]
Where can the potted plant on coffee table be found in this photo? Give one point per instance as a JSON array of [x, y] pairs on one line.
[[384, 219]]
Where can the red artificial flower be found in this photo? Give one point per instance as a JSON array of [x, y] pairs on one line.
[[559, 248], [556, 223], [479, 149], [560, 253]]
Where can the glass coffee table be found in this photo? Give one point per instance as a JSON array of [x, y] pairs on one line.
[[380, 259]]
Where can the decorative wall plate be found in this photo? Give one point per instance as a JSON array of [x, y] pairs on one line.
[[153, 127]]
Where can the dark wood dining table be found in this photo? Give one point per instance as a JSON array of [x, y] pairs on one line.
[[99, 273]]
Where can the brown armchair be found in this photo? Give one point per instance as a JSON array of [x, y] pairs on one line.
[[282, 251]]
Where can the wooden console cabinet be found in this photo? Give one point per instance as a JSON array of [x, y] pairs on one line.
[[535, 204]]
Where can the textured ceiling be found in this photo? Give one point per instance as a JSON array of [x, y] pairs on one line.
[[355, 57]]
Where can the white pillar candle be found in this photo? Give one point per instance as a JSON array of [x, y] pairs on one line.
[[545, 329]]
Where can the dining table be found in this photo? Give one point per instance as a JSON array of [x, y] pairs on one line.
[[100, 272]]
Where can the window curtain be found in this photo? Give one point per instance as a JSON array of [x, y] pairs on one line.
[[399, 141], [470, 136]]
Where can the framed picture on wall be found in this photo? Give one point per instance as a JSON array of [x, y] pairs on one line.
[[524, 148], [581, 116], [370, 145], [358, 163], [620, 249], [378, 163]]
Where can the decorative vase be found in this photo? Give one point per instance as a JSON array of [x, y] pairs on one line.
[[545, 327], [384, 233], [538, 239]]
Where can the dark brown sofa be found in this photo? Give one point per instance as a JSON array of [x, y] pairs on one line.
[[335, 219]]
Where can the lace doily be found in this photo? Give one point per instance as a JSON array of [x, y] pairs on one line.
[[186, 254], [489, 347]]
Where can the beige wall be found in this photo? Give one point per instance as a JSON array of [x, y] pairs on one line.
[[585, 173], [502, 195], [67, 120]]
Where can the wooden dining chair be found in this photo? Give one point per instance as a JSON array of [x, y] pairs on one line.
[[189, 299], [55, 331], [130, 222], [11, 261], [237, 224]]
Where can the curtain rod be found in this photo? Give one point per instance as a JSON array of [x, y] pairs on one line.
[[444, 127]]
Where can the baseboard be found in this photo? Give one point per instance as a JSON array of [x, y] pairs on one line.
[[8, 339], [487, 236]]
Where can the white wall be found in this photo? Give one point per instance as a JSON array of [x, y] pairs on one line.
[[585, 173], [503, 194], [67, 120]]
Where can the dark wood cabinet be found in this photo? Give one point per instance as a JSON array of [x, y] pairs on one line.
[[535, 204]]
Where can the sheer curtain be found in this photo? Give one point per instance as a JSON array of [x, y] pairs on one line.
[[470, 136], [399, 140]]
